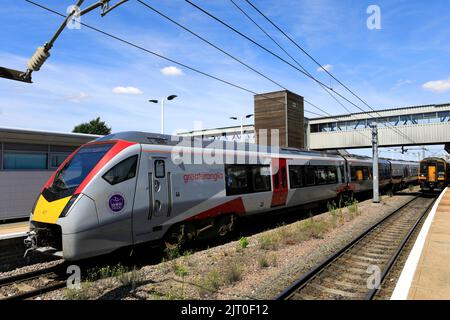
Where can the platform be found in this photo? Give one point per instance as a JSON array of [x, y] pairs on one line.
[[13, 230], [426, 274]]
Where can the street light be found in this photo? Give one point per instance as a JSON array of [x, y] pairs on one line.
[[171, 97], [242, 123]]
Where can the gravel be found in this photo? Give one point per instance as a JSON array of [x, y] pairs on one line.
[[235, 272]]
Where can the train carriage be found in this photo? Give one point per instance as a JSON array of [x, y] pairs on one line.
[[433, 174], [133, 187]]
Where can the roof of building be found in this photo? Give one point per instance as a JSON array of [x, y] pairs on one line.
[[20, 135]]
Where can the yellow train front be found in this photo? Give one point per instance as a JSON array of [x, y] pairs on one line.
[[433, 174]]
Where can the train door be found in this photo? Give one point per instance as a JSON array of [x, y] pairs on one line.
[[431, 173], [280, 185], [161, 181], [153, 202]]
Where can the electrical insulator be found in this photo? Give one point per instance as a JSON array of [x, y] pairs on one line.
[[38, 59]]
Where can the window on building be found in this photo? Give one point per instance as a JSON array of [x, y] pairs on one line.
[[122, 171], [314, 128], [57, 159], [24, 161]]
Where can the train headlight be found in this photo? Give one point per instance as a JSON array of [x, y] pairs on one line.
[[68, 205]]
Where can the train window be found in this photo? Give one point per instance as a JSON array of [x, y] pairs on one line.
[[122, 171], [160, 169], [332, 177], [441, 169], [261, 178], [321, 174], [310, 176], [283, 178], [241, 179], [296, 176], [237, 180], [276, 180], [366, 174]]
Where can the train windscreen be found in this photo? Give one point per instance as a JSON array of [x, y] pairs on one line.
[[76, 170]]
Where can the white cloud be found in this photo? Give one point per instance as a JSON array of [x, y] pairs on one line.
[[78, 97], [401, 83], [327, 67], [171, 71], [437, 86], [127, 90]]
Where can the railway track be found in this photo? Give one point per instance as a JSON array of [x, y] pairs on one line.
[[353, 272], [32, 284]]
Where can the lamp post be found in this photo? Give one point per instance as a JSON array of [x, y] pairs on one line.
[[242, 123], [171, 97]]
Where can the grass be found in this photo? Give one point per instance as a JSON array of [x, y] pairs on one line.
[[131, 279], [263, 262], [232, 273], [243, 242], [172, 252], [79, 294], [210, 283], [267, 241]]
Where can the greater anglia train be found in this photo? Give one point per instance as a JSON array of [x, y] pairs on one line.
[[133, 187]]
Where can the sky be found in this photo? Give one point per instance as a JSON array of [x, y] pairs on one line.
[[89, 75]]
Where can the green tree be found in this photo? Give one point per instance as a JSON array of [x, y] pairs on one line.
[[93, 127]]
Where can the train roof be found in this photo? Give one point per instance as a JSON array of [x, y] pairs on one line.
[[171, 140]]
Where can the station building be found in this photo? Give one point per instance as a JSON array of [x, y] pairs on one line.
[[27, 160]]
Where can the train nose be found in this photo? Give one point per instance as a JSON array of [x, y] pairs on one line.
[[49, 211]]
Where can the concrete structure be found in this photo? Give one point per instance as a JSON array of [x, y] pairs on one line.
[[426, 275], [419, 125], [282, 111], [27, 159]]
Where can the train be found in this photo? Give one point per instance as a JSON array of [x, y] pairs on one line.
[[132, 187], [433, 174]]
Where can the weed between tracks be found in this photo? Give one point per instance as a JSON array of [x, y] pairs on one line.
[[231, 271]]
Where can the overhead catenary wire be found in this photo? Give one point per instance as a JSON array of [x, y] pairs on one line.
[[227, 53], [327, 71], [287, 53], [272, 53], [152, 52]]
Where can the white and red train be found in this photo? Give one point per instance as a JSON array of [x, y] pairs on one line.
[[132, 187]]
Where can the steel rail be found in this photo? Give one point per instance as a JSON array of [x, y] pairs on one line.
[[307, 277]]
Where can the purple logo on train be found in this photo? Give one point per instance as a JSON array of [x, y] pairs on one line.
[[116, 202]]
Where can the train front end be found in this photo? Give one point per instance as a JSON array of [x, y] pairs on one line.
[[65, 218], [432, 175]]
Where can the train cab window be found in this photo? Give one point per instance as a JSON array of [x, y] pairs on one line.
[[160, 169], [321, 174], [310, 176], [331, 176], [296, 176], [122, 171]]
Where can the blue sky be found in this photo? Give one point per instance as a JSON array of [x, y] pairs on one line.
[[405, 63]]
